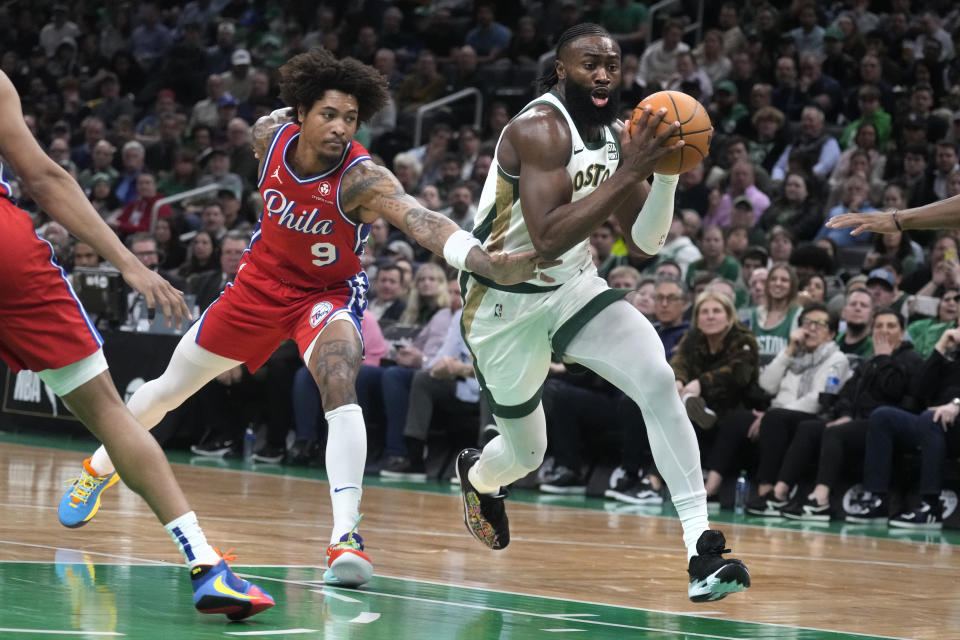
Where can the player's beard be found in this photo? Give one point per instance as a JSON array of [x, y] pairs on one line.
[[586, 114]]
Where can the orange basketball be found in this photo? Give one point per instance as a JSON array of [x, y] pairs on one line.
[[695, 129]]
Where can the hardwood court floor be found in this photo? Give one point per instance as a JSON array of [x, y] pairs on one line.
[[587, 571]]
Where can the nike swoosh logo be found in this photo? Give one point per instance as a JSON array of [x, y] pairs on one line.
[[576, 151], [338, 490], [220, 587]]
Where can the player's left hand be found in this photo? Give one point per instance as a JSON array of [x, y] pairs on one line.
[[159, 293], [513, 268], [877, 222]]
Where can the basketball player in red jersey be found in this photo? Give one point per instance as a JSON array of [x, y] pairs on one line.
[[301, 277], [47, 331]]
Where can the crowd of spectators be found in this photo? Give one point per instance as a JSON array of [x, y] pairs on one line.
[[818, 108]]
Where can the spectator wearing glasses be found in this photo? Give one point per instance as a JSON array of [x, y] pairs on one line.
[[795, 378]]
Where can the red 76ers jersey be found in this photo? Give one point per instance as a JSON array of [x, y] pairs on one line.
[[304, 238]]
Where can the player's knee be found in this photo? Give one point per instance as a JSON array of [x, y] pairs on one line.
[[528, 456]]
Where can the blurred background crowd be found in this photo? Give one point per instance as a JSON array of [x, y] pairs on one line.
[[805, 356]]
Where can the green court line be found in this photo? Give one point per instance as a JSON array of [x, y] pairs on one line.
[[153, 602], [83, 443]]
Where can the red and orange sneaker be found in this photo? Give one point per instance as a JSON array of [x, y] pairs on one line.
[[347, 564]]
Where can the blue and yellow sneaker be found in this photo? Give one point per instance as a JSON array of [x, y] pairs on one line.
[[347, 564], [216, 589], [82, 501]]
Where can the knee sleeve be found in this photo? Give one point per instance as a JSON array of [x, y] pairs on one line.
[[518, 450]]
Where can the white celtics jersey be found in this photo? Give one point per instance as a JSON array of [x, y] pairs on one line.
[[499, 222]]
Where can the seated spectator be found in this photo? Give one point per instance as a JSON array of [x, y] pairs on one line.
[[797, 209], [859, 163], [873, 116], [172, 251], [891, 428], [203, 255], [774, 322], [670, 304], [386, 390], [84, 255], [814, 144], [102, 197], [658, 62], [926, 333], [883, 283], [711, 58], [855, 200], [388, 301], [838, 439], [896, 246], [795, 378], [138, 215], [741, 184], [182, 177], [213, 221], [643, 295], [857, 317], [942, 269], [207, 284], [769, 137], [780, 244], [216, 164], [132, 156], [422, 84], [101, 163], [688, 77], [715, 260], [813, 288], [716, 365]]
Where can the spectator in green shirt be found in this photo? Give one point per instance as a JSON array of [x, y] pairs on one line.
[[925, 333], [870, 112]]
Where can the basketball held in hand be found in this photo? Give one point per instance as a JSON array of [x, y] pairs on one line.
[[695, 129]]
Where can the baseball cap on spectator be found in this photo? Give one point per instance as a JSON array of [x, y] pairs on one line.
[[240, 57], [752, 35], [728, 86], [743, 201], [915, 121], [401, 248], [882, 277], [227, 100], [205, 156], [61, 126], [60, 7], [755, 251], [100, 176], [167, 93], [858, 281], [223, 191], [833, 32], [109, 76], [270, 39]]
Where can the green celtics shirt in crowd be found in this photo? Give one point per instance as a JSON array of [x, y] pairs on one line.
[[729, 269], [862, 348], [774, 340]]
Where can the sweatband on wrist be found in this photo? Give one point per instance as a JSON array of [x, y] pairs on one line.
[[650, 229], [457, 247]]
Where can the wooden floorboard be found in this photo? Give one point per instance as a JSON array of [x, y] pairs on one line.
[[801, 578]]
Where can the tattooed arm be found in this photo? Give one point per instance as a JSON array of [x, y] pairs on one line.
[[265, 128], [369, 191]]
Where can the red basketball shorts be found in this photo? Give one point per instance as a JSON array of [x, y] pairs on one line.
[[42, 323], [255, 314]]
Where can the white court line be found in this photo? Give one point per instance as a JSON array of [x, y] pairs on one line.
[[278, 632], [533, 614], [309, 583], [62, 633], [564, 630]]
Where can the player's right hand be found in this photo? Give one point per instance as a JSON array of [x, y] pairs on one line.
[[158, 293], [877, 222], [513, 268], [644, 148]]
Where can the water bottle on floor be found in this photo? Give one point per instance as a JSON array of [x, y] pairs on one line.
[[742, 493], [249, 438]]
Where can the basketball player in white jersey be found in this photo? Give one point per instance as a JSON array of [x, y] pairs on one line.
[[560, 171]]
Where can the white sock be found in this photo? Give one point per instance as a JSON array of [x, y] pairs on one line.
[[188, 535], [101, 462], [346, 456], [692, 510]]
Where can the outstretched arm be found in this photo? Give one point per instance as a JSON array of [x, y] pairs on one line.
[[60, 196], [944, 214], [369, 191]]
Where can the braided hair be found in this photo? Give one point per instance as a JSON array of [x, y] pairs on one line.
[[549, 79]]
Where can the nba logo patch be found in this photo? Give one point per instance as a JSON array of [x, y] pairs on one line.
[[498, 310], [324, 188], [612, 152], [319, 312]]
